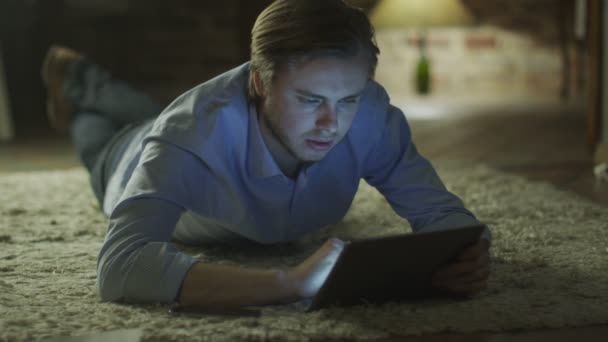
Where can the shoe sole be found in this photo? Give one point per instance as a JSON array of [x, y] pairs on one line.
[[57, 107]]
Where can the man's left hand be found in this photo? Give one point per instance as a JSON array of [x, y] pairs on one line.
[[468, 274]]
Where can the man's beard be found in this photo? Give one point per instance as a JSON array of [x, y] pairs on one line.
[[281, 139]]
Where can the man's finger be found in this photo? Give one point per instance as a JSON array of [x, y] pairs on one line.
[[464, 289], [475, 250], [484, 259], [478, 275], [456, 269], [466, 267]]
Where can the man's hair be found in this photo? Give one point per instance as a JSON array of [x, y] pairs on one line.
[[292, 31]]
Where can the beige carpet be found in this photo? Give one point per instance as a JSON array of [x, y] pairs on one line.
[[550, 267]]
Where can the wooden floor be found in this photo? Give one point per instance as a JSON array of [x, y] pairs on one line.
[[541, 142], [544, 143]]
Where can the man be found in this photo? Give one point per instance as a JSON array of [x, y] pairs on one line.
[[264, 153]]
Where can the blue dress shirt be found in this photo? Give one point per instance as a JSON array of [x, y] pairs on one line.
[[201, 173]]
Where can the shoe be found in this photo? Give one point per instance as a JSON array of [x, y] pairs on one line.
[[59, 108]]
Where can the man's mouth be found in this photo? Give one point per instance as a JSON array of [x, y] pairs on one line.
[[319, 145]]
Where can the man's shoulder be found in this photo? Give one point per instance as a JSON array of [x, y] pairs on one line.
[[373, 108], [226, 89], [206, 112], [374, 91], [233, 80]]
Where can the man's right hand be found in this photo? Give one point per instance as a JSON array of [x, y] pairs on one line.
[[309, 276], [212, 286]]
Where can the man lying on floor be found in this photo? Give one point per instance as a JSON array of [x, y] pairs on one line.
[[264, 153]]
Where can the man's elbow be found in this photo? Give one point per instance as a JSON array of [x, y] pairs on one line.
[[109, 284]]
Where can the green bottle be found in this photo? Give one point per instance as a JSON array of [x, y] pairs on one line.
[[423, 68], [423, 75]]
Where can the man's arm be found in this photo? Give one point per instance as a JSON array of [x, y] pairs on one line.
[[409, 182], [210, 286], [138, 264], [415, 191]]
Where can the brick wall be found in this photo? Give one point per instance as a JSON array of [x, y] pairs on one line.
[[482, 62]]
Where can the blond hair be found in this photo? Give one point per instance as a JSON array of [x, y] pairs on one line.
[[290, 31]]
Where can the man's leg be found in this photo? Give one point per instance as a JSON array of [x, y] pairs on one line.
[[84, 100], [90, 132], [92, 89]]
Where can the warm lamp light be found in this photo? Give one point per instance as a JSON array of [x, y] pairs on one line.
[[421, 15]]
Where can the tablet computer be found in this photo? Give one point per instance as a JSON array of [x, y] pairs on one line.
[[391, 268]]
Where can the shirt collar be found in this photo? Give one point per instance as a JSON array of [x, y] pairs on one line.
[[260, 162]]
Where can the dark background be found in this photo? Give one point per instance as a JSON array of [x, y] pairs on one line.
[[162, 47], [166, 47]]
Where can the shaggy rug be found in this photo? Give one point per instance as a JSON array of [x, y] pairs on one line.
[[550, 267]]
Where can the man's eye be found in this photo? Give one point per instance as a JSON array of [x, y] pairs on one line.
[[351, 100], [308, 100]]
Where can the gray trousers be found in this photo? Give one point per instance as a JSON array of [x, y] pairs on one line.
[[106, 111]]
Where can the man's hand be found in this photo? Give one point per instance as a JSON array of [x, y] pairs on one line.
[[468, 274], [308, 277]]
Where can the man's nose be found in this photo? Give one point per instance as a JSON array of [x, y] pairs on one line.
[[327, 118]]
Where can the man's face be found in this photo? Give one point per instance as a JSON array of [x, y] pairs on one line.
[[310, 107]]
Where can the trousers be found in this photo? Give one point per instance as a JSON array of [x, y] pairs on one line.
[[106, 111]]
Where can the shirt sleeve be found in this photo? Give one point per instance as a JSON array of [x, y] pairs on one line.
[[137, 262], [410, 183]]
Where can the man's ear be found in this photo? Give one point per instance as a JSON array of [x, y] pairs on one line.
[[257, 82]]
